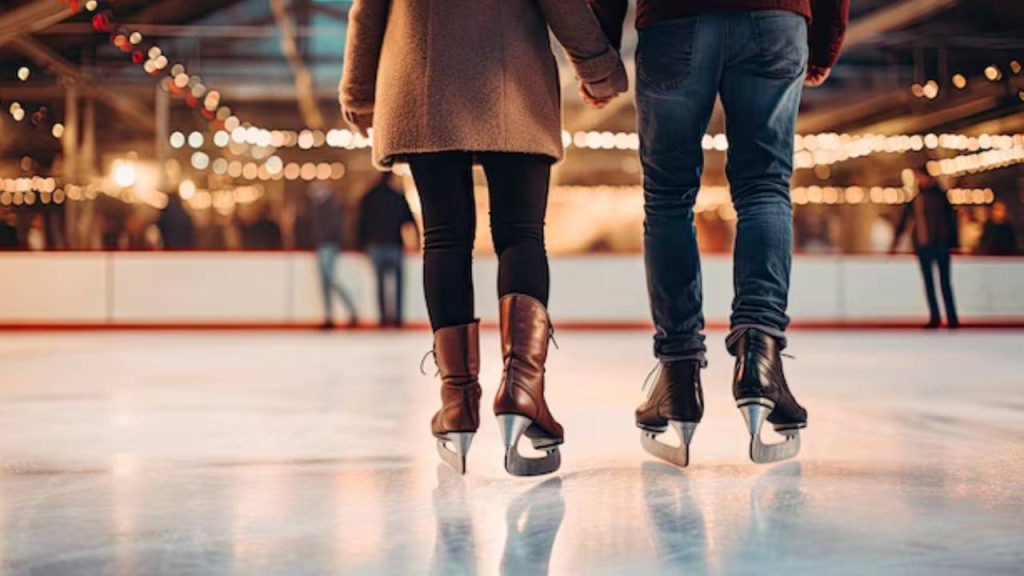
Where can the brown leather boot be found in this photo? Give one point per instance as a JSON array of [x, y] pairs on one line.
[[457, 353], [519, 404]]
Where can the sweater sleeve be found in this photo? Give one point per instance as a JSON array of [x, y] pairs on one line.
[[579, 32], [828, 27], [611, 14], [367, 21]]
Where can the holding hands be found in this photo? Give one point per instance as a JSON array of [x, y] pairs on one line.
[[597, 95]]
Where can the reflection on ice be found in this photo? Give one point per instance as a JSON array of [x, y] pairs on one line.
[[532, 523]]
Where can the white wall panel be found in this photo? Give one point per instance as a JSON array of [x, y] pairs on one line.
[[53, 288], [268, 288]]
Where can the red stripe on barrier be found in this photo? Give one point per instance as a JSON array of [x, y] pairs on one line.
[[986, 324]]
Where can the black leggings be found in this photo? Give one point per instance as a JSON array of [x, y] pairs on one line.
[[518, 189]]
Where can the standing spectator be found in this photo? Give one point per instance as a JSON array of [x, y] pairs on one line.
[[176, 229], [881, 234], [999, 238], [8, 230], [933, 227], [972, 224], [325, 217], [263, 233], [35, 237], [383, 215]]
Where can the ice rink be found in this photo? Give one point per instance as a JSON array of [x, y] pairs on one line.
[[293, 453]]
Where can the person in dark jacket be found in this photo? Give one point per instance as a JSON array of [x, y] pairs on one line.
[[998, 238], [383, 215], [932, 224], [757, 56], [325, 217], [8, 230], [175, 224], [263, 233]]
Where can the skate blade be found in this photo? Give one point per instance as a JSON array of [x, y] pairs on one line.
[[453, 447], [512, 427], [678, 455], [755, 412]]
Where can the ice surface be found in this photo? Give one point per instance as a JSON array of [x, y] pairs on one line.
[[299, 453]]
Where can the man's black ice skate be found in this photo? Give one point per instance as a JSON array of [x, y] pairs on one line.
[[676, 401], [761, 393]]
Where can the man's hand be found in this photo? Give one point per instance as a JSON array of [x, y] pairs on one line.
[[816, 75]]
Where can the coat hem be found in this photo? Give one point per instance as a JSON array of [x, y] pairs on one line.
[[386, 162]]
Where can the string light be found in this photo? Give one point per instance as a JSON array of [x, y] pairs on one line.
[[23, 73], [17, 112], [959, 81], [930, 89], [974, 163], [993, 73]]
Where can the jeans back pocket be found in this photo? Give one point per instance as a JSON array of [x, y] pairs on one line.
[[666, 51], [781, 42]]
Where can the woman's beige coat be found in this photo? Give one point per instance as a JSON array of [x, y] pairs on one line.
[[474, 75]]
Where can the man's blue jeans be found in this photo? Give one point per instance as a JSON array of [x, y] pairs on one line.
[[756, 62], [388, 263], [327, 257]]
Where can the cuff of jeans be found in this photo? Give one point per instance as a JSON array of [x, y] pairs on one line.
[[738, 330]]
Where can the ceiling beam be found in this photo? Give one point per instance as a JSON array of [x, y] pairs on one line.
[[895, 16], [31, 18], [44, 56], [203, 30]]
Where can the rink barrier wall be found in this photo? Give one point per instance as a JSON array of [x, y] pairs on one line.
[[280, 290]]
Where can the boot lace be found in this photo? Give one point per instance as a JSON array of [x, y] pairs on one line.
[[660, 364], [423, 360], [650, 374]]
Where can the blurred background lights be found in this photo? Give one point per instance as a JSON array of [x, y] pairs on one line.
[[200, 161], [124, 173], [186, 189]]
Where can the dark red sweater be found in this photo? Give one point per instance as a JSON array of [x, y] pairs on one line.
[[827, 18]]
